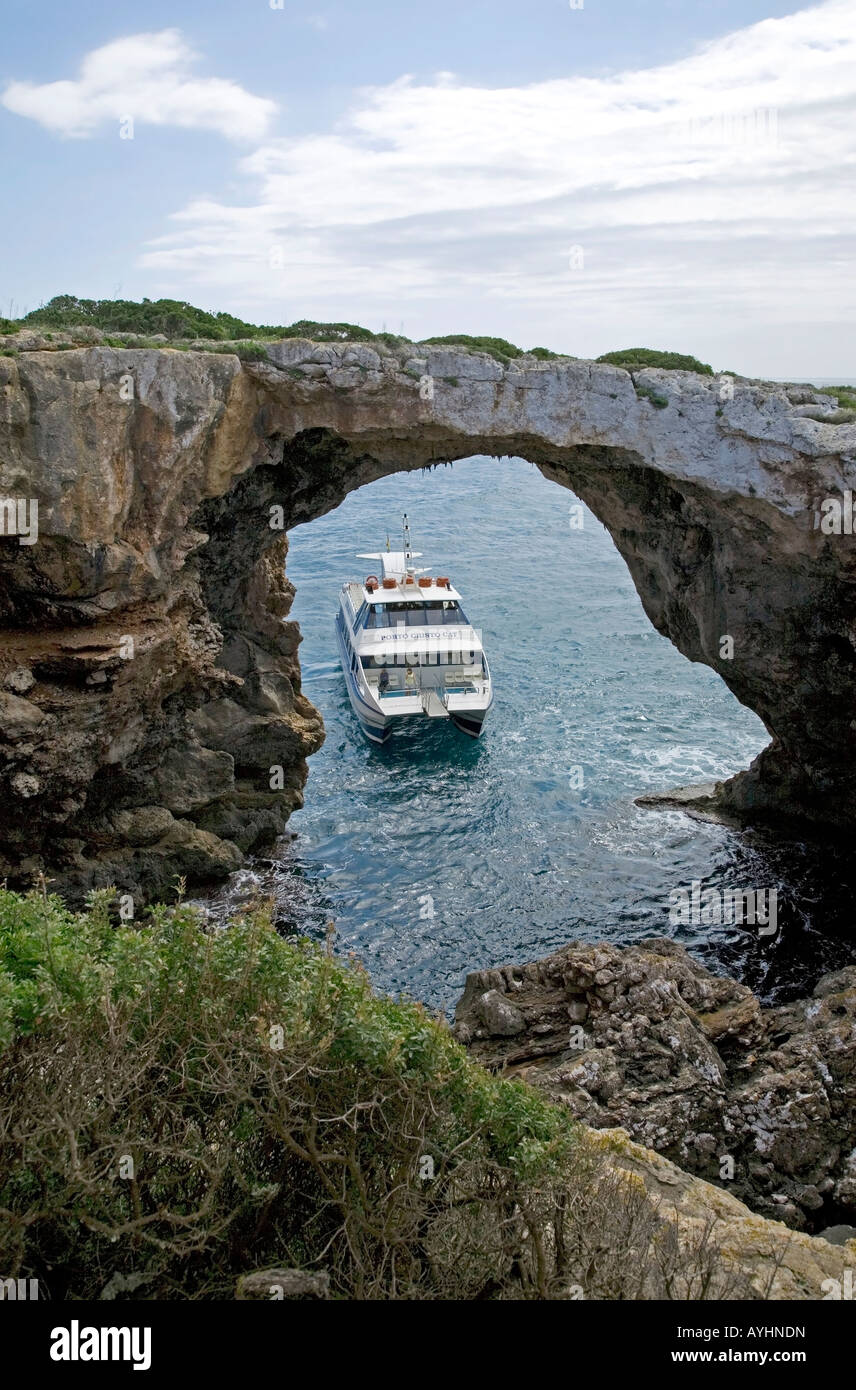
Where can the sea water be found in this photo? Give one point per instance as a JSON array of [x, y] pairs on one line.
[[436, 853]]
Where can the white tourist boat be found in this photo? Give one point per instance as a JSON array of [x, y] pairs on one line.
[[407, 648]]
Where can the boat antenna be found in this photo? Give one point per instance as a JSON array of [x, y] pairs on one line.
[[408, 553], [387, 540]]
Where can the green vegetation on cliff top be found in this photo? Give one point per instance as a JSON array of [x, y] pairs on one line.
[[498, 348], [174, 319], [637, 358], [179, 322]]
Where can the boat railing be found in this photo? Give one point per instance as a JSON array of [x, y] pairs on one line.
[[442, 692], [467, 688], [453, 684]]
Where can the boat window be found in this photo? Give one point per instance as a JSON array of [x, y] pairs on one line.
[[457, 660], [415, 613], [377, 616]]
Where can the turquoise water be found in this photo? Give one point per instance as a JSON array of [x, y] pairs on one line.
[[436, 854]]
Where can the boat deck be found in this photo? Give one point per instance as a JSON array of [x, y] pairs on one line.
[[410, 593], [424, 648]]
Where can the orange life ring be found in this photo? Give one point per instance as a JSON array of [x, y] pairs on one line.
[[372, 582]]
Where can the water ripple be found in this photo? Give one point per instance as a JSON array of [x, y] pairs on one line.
[[436, 854]]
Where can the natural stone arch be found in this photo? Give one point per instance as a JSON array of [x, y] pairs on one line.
[[154, 526]]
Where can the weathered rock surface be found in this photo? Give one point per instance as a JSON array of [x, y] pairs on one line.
[[143, 650], [689, 1064], [758, 1257], [723, 1250]]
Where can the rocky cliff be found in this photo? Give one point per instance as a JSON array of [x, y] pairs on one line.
[[761, 1102], [750, 1256], [152, 719]]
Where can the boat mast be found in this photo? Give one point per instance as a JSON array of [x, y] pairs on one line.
[[408, 553]]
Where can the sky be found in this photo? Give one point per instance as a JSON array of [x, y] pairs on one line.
[[582, 175]]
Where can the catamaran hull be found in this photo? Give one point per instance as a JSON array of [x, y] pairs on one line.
[[371, 721], [471, 724], [378, 729], [373, 733], [373, 726]]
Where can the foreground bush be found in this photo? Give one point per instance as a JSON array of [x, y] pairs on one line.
[[182, 1106]]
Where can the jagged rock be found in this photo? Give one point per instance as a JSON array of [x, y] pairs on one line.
[[838, 1235], [25, 786], [150, 611], [690, 1064], [500, 1019], [765, 1258], [757, 1258], [20, 680], [18, 718], [144, 825]]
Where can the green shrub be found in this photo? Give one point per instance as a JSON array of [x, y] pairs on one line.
[[327, 332], [392, 340], [181, 1106], [636, 358], [171, 317], [845, 395], [176, 319], [274, 1110], [646, 392], [831, 417], [498, 348], [252, 352]]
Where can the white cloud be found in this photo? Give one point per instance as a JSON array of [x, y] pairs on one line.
[[148, 77], [712, 198], [716, 186]]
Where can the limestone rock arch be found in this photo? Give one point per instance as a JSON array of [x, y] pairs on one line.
[[149, 680]]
